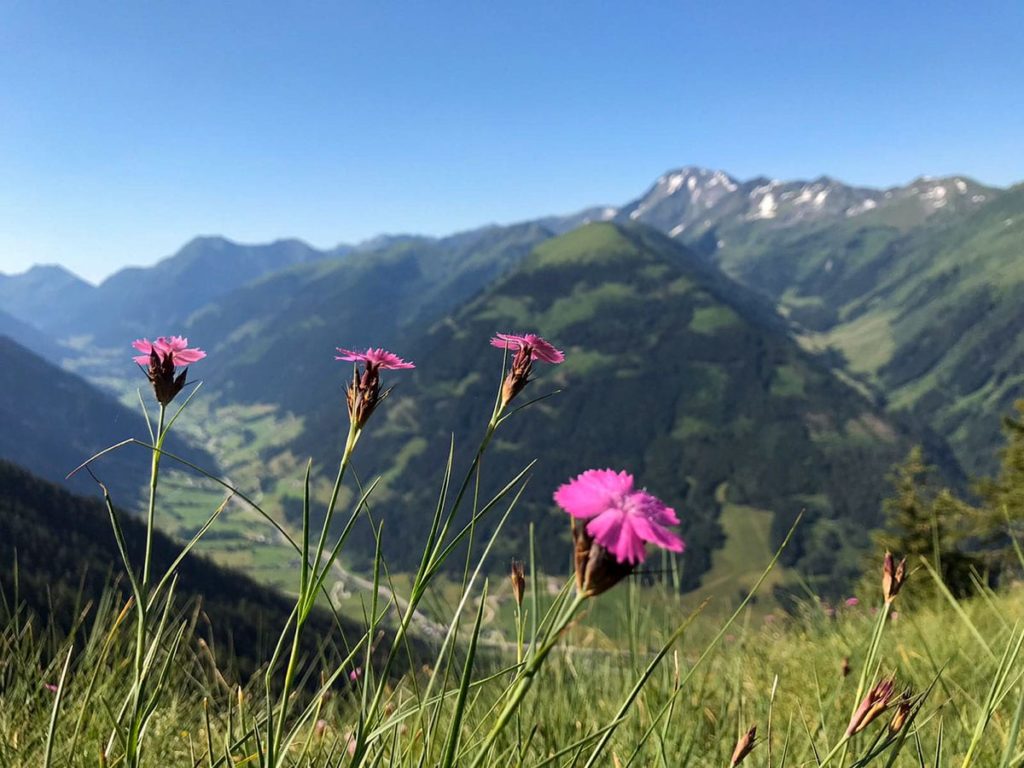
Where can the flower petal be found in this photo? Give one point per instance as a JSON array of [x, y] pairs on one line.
[[614, 531], [593, 492]]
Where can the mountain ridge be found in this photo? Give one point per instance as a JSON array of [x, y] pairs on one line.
[[652, 326]]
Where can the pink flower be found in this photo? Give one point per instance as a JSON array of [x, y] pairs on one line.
[[363, 394], [527, 348], [531, 344], [175, 348], [51, 687], [160, 358], [374, 359], [355, 674], [621, 519], [852, 602]]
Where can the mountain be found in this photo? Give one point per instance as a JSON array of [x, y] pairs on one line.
[[63, 549], [145, 301], [933, 319], [274, 340], [699, 205], [913, 286], [42, 293], [673, 371], [32, 338], [54, 420]]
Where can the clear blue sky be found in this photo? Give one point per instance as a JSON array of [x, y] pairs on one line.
[[127, 128]]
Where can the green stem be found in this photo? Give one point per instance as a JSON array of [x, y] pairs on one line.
[[132, 754], [151, 512], [308, 597], [843, 744]]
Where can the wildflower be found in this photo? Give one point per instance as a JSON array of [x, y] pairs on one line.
[[363, 394], [50, 687], [744, 746], [159, 359], [518, 578], [321, 727], [622, 519], [874, 704], [893, 577], [355, 674], [852, 602], [527, 347]]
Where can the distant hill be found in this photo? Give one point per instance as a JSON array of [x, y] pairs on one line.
[[54, 420], [32, 338], [673, 371], [144, 301], [43, 293], [64, 549], [916, 291], [934, 320], [274, 340]]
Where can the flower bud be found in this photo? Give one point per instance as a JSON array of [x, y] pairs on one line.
[[518, 578], [873, 705], [744, 746], [597, 570], [893, 577]]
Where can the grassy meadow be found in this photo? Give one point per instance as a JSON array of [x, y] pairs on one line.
[[612, 667], [781, 673]]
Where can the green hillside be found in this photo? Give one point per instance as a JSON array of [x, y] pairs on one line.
[[274, 340], [672, 371], [52, 420], [928, 314], [58, 555]]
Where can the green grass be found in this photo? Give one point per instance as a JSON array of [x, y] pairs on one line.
[[787, 381], [866, 342], [786, 669], [736, 566], [712, 319]]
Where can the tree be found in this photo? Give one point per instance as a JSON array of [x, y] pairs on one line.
[[924, 520], [1003, 520]]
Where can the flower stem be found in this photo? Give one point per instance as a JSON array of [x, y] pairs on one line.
[[307, 596], [132, 746], [151, 512]]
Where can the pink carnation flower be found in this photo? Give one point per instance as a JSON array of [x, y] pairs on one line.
[[176, 348], [160, 358], [363, 394], [532, 344], [374, 359], [622, 519]]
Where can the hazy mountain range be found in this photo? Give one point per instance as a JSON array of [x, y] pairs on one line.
[[763, 343]]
